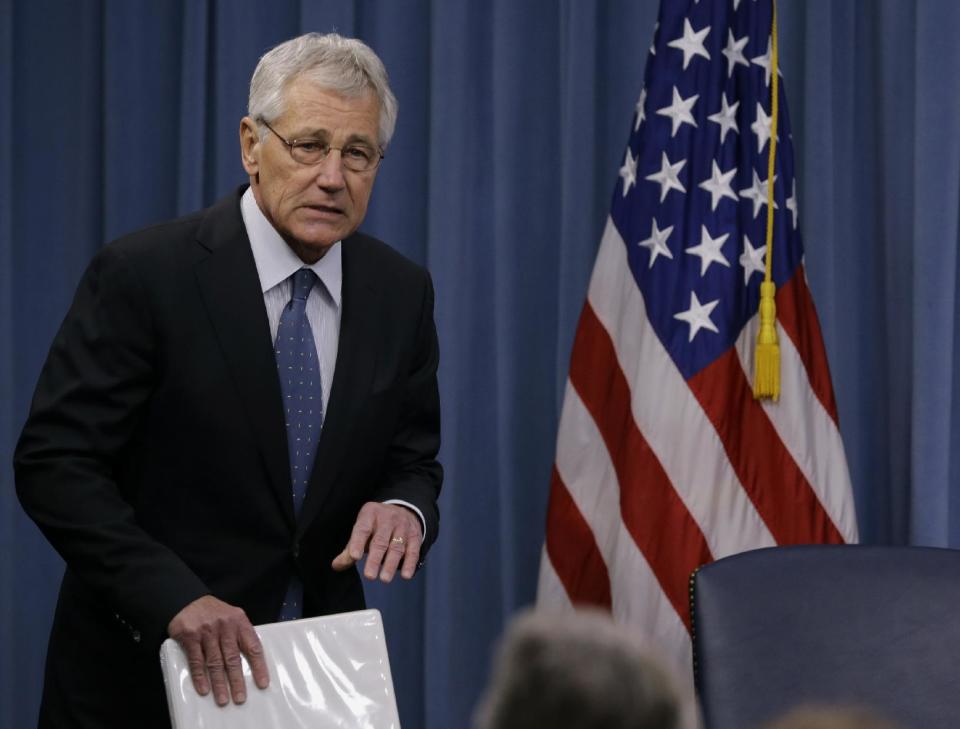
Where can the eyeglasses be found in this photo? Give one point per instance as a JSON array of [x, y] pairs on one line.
[[356, 156]]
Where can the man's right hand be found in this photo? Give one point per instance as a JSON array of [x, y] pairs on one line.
[[214, 634]]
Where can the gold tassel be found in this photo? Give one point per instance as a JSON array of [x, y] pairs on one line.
[[766, 356]]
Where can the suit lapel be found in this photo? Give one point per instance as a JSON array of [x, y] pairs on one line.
[[356, 363], [230, 288]]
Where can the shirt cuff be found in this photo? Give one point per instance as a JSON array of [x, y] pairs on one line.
[[415, 510]]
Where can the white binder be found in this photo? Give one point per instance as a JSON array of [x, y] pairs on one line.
[[331, 671]]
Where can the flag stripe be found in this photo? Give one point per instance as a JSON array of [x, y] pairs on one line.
[[662, 405], [585, 466], [648, 503], [769, 474], [551, 592], [798, 316], [806, 428], [669, 642], [573, 549]]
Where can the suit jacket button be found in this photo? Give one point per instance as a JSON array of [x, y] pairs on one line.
[[296, 550]]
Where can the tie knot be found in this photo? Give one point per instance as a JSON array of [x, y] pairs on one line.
[[303, 281]]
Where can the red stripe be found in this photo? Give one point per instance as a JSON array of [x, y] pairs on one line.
[[798, 317], [573, 551], [776, 486], [658, 521]]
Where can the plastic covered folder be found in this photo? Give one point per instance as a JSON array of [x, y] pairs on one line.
[[331, 671]]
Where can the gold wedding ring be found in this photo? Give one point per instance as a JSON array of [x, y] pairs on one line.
[[399, 540]]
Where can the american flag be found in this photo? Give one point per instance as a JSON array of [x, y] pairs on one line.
[[664, 460]]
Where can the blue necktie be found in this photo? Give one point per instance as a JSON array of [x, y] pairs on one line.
[[300, 385]]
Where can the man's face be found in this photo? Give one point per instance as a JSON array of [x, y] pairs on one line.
[[312, 206]]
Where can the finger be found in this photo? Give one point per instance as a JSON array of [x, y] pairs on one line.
[[343, 561], [198, 670], [411, 558], [213, 659], [360, 535], [379, 543], [253, 649], [233, 665], [395, 551]]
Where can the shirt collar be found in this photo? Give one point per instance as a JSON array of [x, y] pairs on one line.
[[276, 261]]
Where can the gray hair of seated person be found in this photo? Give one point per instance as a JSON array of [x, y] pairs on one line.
[[345, 65], [575, 671], [831, 717]]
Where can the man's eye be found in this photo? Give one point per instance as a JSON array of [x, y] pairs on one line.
[[358, 153], [310, 147]]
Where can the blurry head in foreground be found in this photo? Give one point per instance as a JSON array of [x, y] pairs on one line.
[[576, 671], [824, 717]]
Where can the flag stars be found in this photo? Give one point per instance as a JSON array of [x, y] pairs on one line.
[[734, 52], [726, 117], [668, 176], [641, 109], [628, 172], [762, 127], [657, 243], [792, 203], [680, 111], [709, 250], [691, 43], [757, 192], [698, 316], [765, 62], [719, 185], [752, 260]]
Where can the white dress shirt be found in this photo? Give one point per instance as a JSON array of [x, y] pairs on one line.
[[276, 263]]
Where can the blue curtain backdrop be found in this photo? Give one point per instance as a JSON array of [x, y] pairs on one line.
[[513, 116]]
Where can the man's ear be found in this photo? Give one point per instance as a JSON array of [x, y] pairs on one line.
[[249, 146]]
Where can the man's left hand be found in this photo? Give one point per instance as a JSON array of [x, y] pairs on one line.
[[389, 534]]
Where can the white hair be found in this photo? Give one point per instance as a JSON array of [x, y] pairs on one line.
[[344, 65]]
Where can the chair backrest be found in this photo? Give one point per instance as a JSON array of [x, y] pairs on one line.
[[875, 626]]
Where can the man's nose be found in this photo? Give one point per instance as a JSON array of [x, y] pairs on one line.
[[329, 171]]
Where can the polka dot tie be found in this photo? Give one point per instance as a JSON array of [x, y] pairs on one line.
[[300, 386]]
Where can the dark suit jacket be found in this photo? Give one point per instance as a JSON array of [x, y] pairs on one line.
[[154, 458]]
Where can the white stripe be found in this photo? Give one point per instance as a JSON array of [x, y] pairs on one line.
[[808, 432], [667, 413], [585, 467], [551, 594]]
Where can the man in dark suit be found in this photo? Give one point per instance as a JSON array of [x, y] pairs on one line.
[[239, 405]]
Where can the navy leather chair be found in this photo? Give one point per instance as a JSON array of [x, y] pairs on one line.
[[874, 626]]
